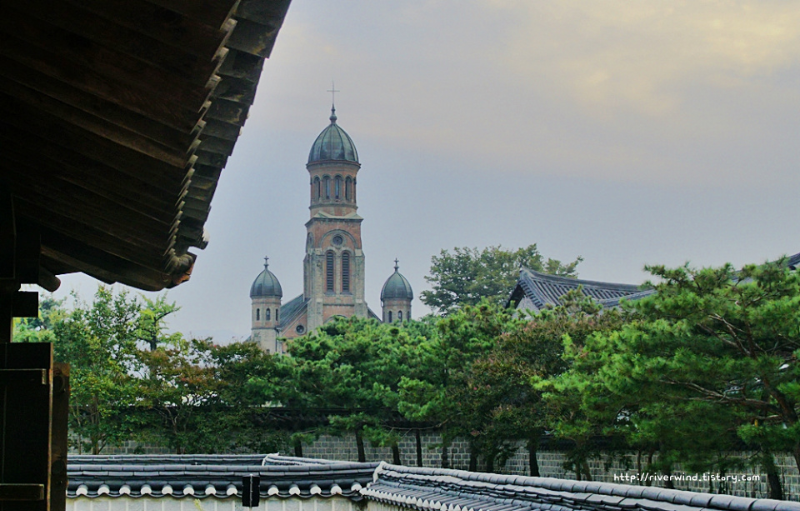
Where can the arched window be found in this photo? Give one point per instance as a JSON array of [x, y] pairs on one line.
[[316, 188], [390, 316], [326, 181], [276, 314], [354, 190], [267, 314], [399, 315], [338, 187], [258, 314], [329, 271], [345, 272], [348, 185]]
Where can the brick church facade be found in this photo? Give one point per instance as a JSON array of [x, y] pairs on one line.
[[334, 263]]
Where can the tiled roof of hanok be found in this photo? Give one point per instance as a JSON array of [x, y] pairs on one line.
[[211, 475], [117, 119], [542, 290], [456, 490], [794, 261]]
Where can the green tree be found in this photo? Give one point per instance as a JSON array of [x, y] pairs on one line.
[[468, 275], [200, 397], [151, 325], [99, 343], [439, 392], [40, 328], [177, 390], [353, 366], [713, 351], [528, 351]]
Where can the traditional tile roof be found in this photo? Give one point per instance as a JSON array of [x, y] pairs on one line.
[[219, 476], [794, 261], [457, 490], [428, 489], [537, 290]]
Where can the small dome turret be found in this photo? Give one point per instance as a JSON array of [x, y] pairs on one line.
[[333, 144], [396, 286], [266, 284]]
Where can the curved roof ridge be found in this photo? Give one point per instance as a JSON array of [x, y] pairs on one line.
[[543, 289], [582, 282]]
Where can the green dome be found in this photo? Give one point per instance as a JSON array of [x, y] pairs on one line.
[[396, 287], [333, 144], [266, 284]]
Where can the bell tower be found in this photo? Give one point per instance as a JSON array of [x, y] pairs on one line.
[[333, 268]]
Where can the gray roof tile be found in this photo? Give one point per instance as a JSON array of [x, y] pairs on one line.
[[544, 290], [441, 488]]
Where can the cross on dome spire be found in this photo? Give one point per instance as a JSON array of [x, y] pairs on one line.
[[396, 264], [266, 262], [333, 92]]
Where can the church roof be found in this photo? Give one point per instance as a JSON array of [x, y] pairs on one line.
[[297, 305], [333, 144], [397, 286], [291, 309], [537, 290], [266, 284]]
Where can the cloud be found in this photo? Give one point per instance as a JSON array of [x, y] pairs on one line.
[[671, 92], [637, 56]]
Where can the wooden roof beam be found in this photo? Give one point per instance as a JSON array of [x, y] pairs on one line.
[[165, 25], [72, 139], [111, 112], [176, 157], [51, 161], [195, 68]]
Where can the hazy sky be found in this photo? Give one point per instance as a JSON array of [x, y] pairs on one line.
[[629, 133]]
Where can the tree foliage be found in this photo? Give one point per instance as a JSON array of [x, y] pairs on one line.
[[466, 275], [712, 353], [99, 342], [706, 363], [354, 365]]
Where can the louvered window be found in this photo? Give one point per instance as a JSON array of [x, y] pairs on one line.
[[347, 186], [258, 314], [329, 271], [346, 272], [267, 314], [390, 316], [399, 315], [338, 187]]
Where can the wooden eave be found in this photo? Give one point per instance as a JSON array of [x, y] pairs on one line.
[[117, 117]]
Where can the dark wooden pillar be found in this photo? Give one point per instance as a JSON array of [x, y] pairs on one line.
[[34, 391]]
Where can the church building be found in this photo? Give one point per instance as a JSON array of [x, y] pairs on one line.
[[334, 264]]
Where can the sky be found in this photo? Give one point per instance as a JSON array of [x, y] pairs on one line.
[[627, 133]]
